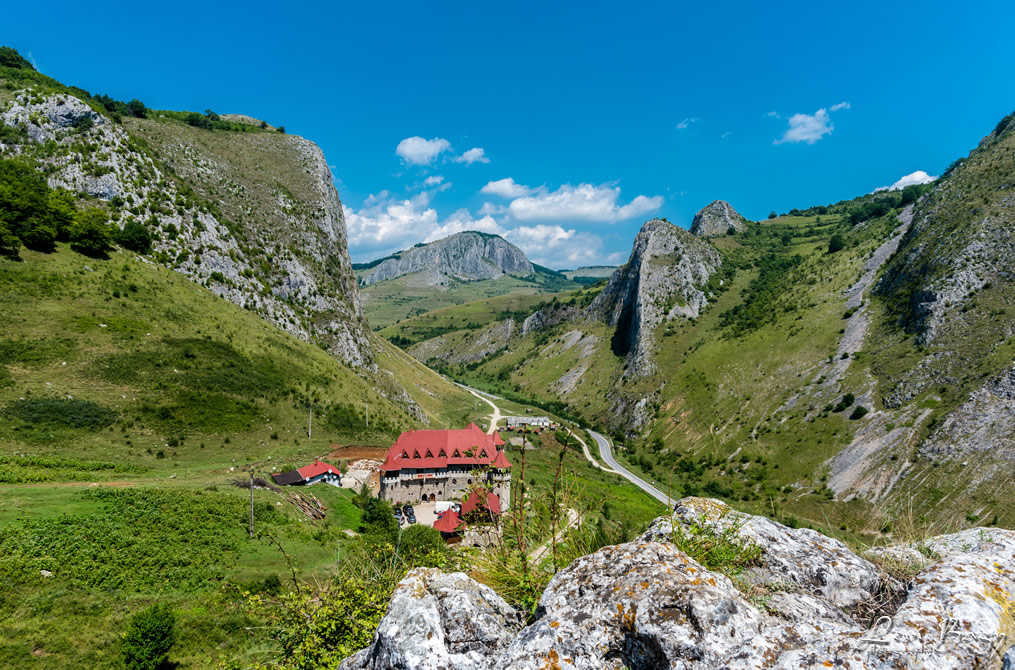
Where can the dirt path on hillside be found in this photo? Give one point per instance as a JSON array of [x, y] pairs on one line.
[[36, 485], [495, 417]]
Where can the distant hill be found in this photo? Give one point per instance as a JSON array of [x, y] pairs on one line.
[[456, 270], [465, 256]]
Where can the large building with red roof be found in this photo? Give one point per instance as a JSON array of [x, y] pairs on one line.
[[431, 465]]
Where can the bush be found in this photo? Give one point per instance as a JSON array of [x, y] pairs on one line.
[[847, 401], [422, 546], [858, 413], [63, 412], [9, 57], [91, 235], [149, 637], [772, 214], [135, 236], [837, 243], [9, 242], [136, 108]]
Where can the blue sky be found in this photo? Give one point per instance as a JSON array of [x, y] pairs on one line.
[[562, 125]]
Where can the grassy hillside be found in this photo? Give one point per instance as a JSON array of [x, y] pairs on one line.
[[470, 316], [755, 398], [405, 297], [131, 398]]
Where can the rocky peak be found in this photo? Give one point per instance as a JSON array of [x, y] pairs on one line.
[[663, 279], [468, 255], [716, 219], [807, 602]]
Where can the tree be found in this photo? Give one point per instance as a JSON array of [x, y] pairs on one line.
[[134, 236], [281, 129], [772, 214], [9, 242], [9, 57], [837, 243], [210, 115], [136, 108], [39, 236], [379, 519], [90, 235], [149, 637]]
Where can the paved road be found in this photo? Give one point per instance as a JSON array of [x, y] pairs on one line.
[[607, 456]]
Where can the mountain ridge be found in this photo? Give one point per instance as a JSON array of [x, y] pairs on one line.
[[465, 256]]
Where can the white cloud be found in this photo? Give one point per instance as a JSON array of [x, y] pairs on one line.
[[586, 202], [918, 177], [384, 225], [434, 180], [556, 247], [810, 128], [473, 155], [505, 188], [419, 151], [726, 134], [462, 220], [686, 123], [490, 208]]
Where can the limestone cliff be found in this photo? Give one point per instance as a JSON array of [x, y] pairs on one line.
[[664, 278], [717, 218], [253, 216], [463, 256]]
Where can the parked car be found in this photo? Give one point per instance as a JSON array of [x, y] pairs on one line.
[[398, 511], [408, 509]]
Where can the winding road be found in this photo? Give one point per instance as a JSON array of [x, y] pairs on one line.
[[607, 455], [605, 452]]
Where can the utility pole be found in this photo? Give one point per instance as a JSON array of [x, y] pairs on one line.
[[368, 413], [251, 503], [310, 423]]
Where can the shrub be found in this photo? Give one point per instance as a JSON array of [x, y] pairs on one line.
[[134, 236], [422, 546], [64, 412], [91, 235], [858, 413], [9, 242], [837, 243], [772, 214], [9, 57], [716, 545], [149, 637], [136, 108]]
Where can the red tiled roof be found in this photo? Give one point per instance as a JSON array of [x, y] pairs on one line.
[[437, 449], [318, 467], [501, 461], [475, 501], [448, 522]]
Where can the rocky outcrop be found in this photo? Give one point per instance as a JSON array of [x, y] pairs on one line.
[[984, 423], [464, 256], [664, 278], [280, 255], [646, 604], [439, 621], [716, 219]]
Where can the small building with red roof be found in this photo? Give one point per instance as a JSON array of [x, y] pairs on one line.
[[481, 502], [318, 471], [431, 465]]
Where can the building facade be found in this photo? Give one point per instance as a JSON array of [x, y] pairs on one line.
[[431, 465]]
